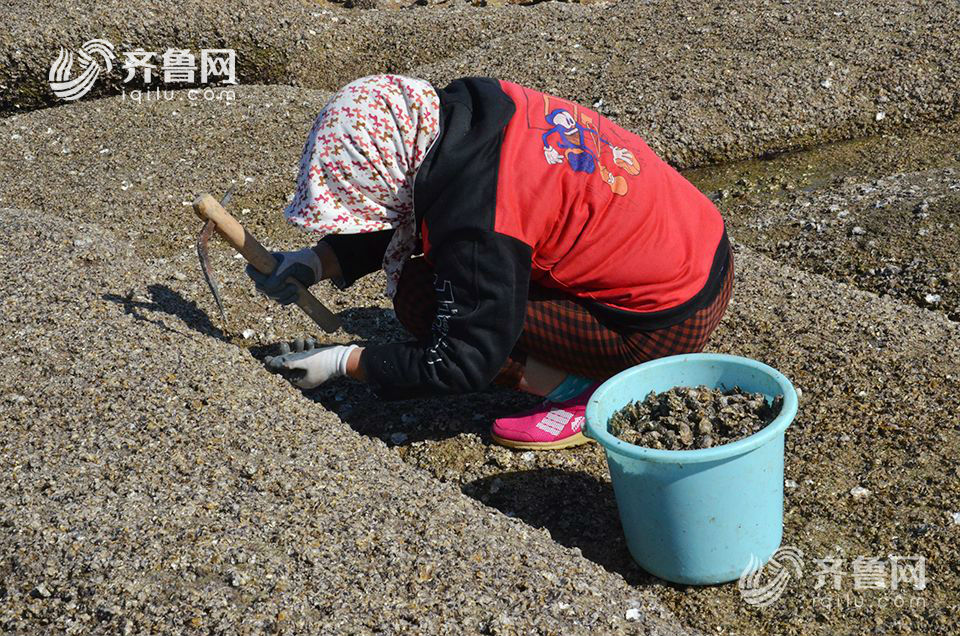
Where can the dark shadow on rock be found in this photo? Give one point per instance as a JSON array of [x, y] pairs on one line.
[[578, 510], [373, 323], [401, 422], [167, 301]]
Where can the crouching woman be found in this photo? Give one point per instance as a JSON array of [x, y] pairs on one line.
[[527, 241]]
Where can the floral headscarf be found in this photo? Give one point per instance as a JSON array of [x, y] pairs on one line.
[[360, 161]]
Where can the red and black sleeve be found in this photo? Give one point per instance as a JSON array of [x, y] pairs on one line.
[[482, 276]]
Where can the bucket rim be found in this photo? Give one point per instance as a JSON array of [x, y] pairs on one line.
[[611, 443]]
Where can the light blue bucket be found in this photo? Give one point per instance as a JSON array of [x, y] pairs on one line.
[[697, 516]]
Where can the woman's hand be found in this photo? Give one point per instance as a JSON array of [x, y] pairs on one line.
[[308, 266], [303, 265], [309, 369]]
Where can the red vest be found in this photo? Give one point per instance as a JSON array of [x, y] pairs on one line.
[[605, 217]]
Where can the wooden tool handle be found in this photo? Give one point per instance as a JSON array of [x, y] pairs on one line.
[[208, 208]]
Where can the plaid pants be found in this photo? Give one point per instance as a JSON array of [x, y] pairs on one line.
[[561, 330]]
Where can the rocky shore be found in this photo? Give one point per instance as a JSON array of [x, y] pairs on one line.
[[159, 480]]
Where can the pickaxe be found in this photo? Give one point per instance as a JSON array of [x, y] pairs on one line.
[[215, 217]]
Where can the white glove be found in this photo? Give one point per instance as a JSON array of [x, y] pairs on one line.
[[309, 369], [552, 156]]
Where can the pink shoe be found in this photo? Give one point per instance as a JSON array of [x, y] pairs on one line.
[[548, 426]]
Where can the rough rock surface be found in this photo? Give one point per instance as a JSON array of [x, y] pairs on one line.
[[727, 81], [295, 42], [139, 491], [880, 393], [879, 212], [156, 480], [897, 235], [715, 83]]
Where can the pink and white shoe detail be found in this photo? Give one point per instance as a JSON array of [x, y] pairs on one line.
[[550, 425]]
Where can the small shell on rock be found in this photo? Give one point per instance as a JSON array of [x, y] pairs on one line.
[[859, 492], [685, 434], [704, 427], [40, 591]]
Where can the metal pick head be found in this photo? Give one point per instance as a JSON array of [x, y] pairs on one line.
[[205, 267], [202, 241], [228, 195]]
